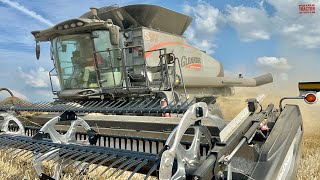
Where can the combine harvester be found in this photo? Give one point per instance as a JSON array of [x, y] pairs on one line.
[[135, 97]]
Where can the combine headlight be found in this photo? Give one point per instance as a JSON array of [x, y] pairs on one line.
[[79, 23], [73, 25], [60, 28], [66, 26]]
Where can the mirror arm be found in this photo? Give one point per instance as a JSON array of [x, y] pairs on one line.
[[37, 50]]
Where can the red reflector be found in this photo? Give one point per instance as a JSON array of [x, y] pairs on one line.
[[310, 98]]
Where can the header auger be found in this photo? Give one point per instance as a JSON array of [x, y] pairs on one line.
[[135, 97]]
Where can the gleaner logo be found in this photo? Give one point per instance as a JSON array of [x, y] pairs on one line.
[[307, 8], [191, 62]]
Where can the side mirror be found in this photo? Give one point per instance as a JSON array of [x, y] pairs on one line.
[[38, 50], [51, 51], [114, 35], [114, 31]]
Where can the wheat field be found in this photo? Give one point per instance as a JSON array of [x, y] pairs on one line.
[[309, 168], [22, 169]]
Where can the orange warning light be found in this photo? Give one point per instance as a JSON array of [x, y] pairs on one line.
[[310, 98]]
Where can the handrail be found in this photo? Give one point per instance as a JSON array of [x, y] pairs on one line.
[[145, 64], [163, 64], [182, 80]]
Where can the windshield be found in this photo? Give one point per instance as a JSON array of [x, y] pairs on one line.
[[76, 65], [75, 60]]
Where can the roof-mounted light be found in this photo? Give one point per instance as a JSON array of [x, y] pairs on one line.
[[70, 24], [73, 25], [66, 26], [80, 23]]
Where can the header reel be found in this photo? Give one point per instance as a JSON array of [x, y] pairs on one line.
[[195, 148]]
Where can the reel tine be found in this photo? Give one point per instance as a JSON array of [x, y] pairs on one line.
[[49, 158], [113, 164], [88, 158], [123, 165], [40, 149], [60, 157], [104, 161], [129, 166], [24, 153], [144, 162], [28, 150], [93, 161], [43, 152], [6, 145], [19, 151], [72, 160], [31, 153], [74, 155], [80, 157], [19, 147], [23, 150], [3, 143], [35, 151], [69, 152], [44, 149], [154, 167], [13, 147]]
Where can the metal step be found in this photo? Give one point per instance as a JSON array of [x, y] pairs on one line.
[[155, 83]]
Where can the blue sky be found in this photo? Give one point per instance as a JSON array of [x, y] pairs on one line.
[[248, 36]]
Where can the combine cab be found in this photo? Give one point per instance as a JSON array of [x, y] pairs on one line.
[[136, 97]]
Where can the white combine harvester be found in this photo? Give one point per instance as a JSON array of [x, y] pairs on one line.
[[155, 95]]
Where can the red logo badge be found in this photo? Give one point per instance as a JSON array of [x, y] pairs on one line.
[[307, 8], [191, 62]]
